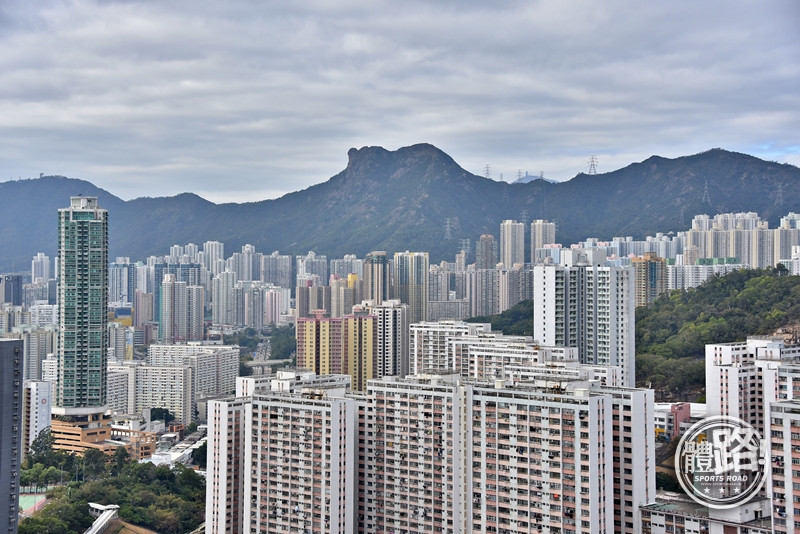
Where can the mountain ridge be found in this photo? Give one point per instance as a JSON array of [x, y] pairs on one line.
[[399, 200]]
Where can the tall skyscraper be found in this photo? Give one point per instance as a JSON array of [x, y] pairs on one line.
[[79, 421], [195, 312], [311, 266], [542, 233], [486, 252], [11, 399], [584, 304], [40, 268], [11, 289], [651, 277], [338, 345], [391, 341], [190, 273], [347, 265], [376, 277], [214, 254], [82, 300], [121, 281], [512, 243], [172, 324], [411, 283], [276, 269], [222, 301]]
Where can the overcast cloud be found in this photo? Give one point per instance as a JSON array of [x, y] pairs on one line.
[[248, 100]]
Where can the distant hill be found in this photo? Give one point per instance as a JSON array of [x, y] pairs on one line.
[[399, 200]]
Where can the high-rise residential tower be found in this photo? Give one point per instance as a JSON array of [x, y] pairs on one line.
[[338, 345], [391, 338], [276, 269], [512, 243], [11, 399], [376, 277], [486, 252], [82, 346], [40, 268], [214, 254], [583, 303], [82, 299], [172, 324], [411, 283], [651, 277], [542, 233]]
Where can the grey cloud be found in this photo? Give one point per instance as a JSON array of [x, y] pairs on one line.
[[236, 99]]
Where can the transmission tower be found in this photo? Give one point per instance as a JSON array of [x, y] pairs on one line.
[[779, 196], [464, 245], [447, 229], [524, 217], [487, 171], [519, 175], [706, 197], [593, 165], [505, 195]]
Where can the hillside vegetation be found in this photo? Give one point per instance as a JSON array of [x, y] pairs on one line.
[[671, 334], [515, 321]]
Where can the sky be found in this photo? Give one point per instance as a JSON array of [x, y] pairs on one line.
[[245, 100]]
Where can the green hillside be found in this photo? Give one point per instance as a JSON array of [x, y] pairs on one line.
[[671, 334]]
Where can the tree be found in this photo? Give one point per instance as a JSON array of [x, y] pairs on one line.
[[94, 463], [120, 459], [40, 524], [161, 414], [41, 450], [200, 455]]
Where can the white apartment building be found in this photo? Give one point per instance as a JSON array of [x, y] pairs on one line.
[[166, 387], [454, 310], [37, 343], [214, 367], [391, 356], [744, 236], [582, 303], [226, 472], [542, 233], [483, 291], [435, 453], [688, 276], [675, 513], [36, 410], [43, 314], [485, 355], [742, 378], [222, 298], [50, 368], [428, 343], [302, 468], [512, 243], [121, 386]]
